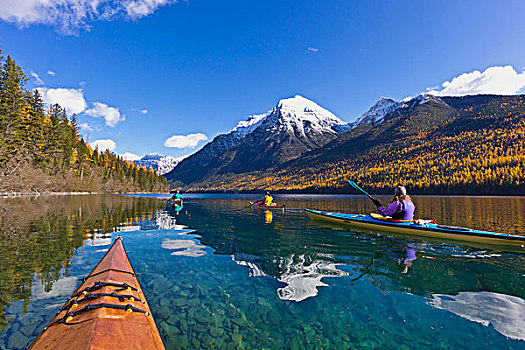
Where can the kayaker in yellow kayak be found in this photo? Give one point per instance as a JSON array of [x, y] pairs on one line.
[[266, 199], [401, 206]]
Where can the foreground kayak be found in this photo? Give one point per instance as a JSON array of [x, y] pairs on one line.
[[424, 228], [262, 206], [108, 311]]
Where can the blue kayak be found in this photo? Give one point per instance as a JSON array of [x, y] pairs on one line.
[[425, 228]]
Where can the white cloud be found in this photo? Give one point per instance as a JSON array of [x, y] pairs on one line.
[[130, 156], [85, 126], [68, 16], [144, 111], [71, 99], [313, 49], [496, 80], [38, 81], [103, 145], [111, 114], [49, 72], [185, 141]]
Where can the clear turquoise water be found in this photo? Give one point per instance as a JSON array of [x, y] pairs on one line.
[[217, 275]]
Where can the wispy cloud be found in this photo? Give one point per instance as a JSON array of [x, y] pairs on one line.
[[70, 99], [68, 16], [103, 145], [143, 111], [313, 49], [185, 141], [496, 80], [38, 81], [110, 114], [49, 72]]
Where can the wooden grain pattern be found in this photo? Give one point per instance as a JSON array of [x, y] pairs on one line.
[[105, 328]]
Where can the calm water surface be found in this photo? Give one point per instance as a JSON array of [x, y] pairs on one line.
[[218, 275]]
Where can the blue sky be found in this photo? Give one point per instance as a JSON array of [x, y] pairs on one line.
[[151, 69]]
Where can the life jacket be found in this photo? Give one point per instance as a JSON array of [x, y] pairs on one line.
[[268, 200], [406, 212]]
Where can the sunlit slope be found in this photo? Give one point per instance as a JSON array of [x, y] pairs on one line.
[[471, 144]]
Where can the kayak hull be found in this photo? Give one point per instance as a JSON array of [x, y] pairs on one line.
[[92, 319], [431, 230], [266, 207]]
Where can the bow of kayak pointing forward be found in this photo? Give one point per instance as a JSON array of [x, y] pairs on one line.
[[107, 311]]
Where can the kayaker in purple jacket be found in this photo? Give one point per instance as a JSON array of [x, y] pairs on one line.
[[401, 206]]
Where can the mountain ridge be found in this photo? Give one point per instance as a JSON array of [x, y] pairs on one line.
[[469, 144], [294, 126]]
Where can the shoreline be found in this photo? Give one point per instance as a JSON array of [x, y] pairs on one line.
[[36, 194]]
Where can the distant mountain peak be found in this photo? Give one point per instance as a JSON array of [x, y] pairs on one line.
[[298, 112], [162, 164], [377, 113]]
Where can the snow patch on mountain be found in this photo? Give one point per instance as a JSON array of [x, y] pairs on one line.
[[162, 164], [245, 127]]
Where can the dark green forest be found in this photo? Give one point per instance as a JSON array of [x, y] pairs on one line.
[[41, 149]]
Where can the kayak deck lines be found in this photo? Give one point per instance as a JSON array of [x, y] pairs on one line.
[[427, 228], [68, 317], [107, 311]]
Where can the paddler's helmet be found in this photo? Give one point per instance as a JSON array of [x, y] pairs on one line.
[[267, 193], [400, 191]]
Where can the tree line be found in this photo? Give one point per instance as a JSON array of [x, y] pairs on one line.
[[41, 149]]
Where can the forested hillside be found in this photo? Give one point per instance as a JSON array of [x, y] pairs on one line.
[[461, 145], [41, 149]]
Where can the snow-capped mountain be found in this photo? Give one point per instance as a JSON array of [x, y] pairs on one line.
[[300, 115], [296, 125], [385, 106], [377, 112], [162, 164]]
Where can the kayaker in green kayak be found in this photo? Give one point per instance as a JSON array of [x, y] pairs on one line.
[[401, 206], [177, 196]]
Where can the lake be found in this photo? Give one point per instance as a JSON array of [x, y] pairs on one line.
[[219, 275]]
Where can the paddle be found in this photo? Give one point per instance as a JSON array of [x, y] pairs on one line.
[[376, 202]]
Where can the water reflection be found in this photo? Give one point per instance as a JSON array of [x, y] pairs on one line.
[[186, 247], [303, 259], [39, 237], [302, 276], [505, 313]]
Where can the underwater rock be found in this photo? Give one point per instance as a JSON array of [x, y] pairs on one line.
[[15, 327], [216, 332], [29, 330], [206, 339], [17, 341], [183, 325], [179, 302], [173, 320], [236, 338], [168, 328], [193, 302], [203, 317], [163, 312]]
